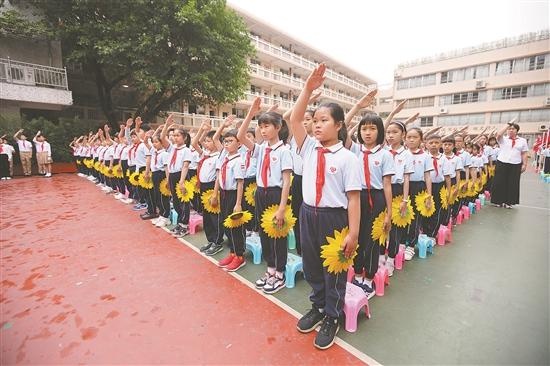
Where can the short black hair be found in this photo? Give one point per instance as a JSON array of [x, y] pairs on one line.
[[337, 114], [372, 119], [434, 136], [449, 140], [515, 125], [231, 133]]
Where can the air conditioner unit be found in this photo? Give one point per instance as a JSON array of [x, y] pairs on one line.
[[547, 102], [443, 111], [543, 128], [480, 84]]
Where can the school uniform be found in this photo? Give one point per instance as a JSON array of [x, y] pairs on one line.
[[377, 163], [4, 162], [442, 169], [272, 162], [8, 150], [296, 191], [100, 155], [505, 188], [177, 156], [107, 158], [124, 163], [402, 159], [43, 154], [545, 153], [466, 158], [250, 166], [422, 163], [230, 171], [192, 172], [160, 202], [328, 175], [456, 168], [206, 177], [25, 154]]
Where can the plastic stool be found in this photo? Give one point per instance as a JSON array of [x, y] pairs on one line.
[[472, 207], [194, 221], [355, 301], [442, 235], [482, 199], [459, 217], [478, 204], [173, 217], [291, 239], [293, 265], [425, 245], [381, 278], [254, 244], [487, 195], [351, 274], [399, 259], [465, 212], [449, 236]]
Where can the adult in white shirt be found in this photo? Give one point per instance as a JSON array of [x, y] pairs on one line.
[[25, 152], [511, 162]]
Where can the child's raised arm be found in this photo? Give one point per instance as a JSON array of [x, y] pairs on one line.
[[412, 118], [396, 110], [205, 127], [314, 81], [366, 101], [241, 136], [228, 122]]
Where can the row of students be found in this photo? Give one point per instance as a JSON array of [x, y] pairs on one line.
[[25, 148]]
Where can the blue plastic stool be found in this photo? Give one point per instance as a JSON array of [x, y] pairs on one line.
[[472, 207], [254, 244], [173, 217], [425, 245], [482, 199], [293, 265], [291, 239]]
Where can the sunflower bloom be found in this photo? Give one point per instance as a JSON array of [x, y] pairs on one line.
[[334, 259]]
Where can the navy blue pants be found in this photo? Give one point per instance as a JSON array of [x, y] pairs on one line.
[[212, 223], [448, 212], [413, 230], [295, 204], [396, 233], [432, 223], [162, 203], [252, 225], [328, 289], [369, 250], [182, 208], [274, 251], [236, 236]]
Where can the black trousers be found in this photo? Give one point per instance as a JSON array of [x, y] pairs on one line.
[[506, 184], [369, 250], [147, 196], [212, 224], [413, 230], [182, 208], [236, 236], [162, 203], [432, 223], [396, 233], [547, 165], [295, 204], [274, 251], [252, 225], [133, 189], [329, 289], [196, 200], [448, 211], [125, 179]]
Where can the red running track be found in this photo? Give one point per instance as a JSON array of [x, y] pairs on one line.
[[84, 280]]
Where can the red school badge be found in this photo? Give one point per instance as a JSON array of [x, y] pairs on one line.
[[376, 162], [332, 170]]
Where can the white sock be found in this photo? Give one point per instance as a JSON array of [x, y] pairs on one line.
[[382, 258], [368, 282], [390, 260], [271, 271], [359, 278]]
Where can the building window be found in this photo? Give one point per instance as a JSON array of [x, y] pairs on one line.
[[522, 91], [530, 115], [419, 102], [468, 73], [531, 63], [462, 119], [461, 98], [416, 82], [92, 114], [426, 121]]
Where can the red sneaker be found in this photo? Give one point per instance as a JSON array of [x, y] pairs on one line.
[[235, 264], [226, 261]]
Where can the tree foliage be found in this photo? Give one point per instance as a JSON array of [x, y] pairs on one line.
[[167, 50]]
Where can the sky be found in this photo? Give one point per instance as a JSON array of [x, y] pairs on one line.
[[373, 37]]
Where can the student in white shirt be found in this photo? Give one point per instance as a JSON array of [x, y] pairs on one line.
[[5, 154], [511, 162], [43, 154], [545, 156], [9, 151], [25, 152]]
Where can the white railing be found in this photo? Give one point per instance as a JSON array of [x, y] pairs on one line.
[[283, 54], [290, 81], [194, 120], [24, 73]]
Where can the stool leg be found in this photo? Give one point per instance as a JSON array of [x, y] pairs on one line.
[[351, 318], [379, 283]]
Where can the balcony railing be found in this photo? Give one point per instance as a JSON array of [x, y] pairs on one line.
[[305, 63], [297, 83], [24, 73]]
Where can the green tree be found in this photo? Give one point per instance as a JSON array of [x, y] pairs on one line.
[[167, 50]]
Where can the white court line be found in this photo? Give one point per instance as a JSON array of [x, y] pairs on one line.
[[345, 345], [535, 208]]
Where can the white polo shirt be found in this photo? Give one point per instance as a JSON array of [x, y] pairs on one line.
[[250, 162], [280, 160], [488, 152], [456, 164], [207, 172], [124, 152], [342, 174], [179, 155], [380, 164], [297, 161], [109, 153], [422, 162], [509, 154], [444, 168], [158, 158], [232, 165], [24, 145], [465, 156], [402, 161], [8, 150], [477, 162], [142, 152], [195, 157]]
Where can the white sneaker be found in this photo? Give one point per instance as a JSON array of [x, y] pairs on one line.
[[90, 177], [8, 178], [162, 222], [119, 196], [409, 253], [155, 220], [127, 200], [80, 174], [390, 266]]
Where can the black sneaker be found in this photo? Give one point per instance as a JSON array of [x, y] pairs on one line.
[[369, 291], [205, 247], [274, 284], [183, 232], [310, 321], [260, 282], [214, 249], [325, 337], [176, 230]]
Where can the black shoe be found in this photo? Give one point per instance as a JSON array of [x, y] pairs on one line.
[[214, 249], [176, 230], [148, 216], [310, 321], [325, 337], [182, 232], [205, 247]]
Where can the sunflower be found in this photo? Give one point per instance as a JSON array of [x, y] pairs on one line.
[[117, 171], [78, 162], [378, 232], [87, 163], [143, 183], [333, 254], [471, 189], [455, 192], [443, 197], [205, 199], [134, 179], [478, 187], [269, 226], [492, 171], [97, 166], [249, 194], [237, 219], [420, 202], [396, 217], [128, 173], [164, 189], [195, 182], [189, 191], [483, 179]]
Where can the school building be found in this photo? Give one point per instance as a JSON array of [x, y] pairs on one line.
[[481, 86]]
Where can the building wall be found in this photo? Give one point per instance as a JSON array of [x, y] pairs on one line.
[[47, 53]]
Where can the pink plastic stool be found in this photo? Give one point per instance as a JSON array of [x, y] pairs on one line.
[[442, 235], [460, 217], [399, 259], [478, 204], [449, 237], [355, 301], [381, 278], [351, 273], [466, 212], [194, 221], [487, 195]]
